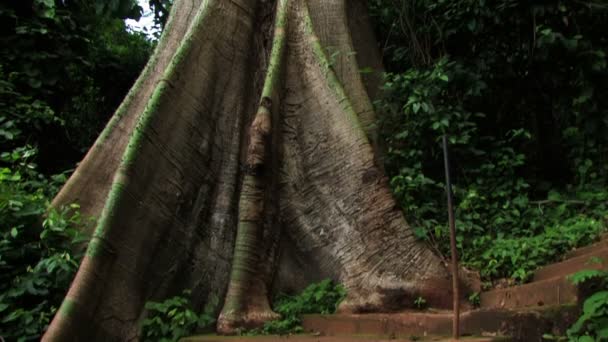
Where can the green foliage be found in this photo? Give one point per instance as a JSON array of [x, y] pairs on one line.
[[584, 276], [501, 231], [172, 319], [592, 325], [525, 129], [475, 299], [64, 68], [37, 261], [59, 59], [319, 298], [420, 303], [518, 256]]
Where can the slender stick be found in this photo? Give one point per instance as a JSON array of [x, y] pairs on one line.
[[456, 290]]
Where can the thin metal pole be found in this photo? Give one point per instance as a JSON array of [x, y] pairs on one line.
[[456, 290]]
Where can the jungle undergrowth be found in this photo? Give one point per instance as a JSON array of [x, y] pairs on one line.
[[506, 225], [318, 298], [39, 252], [64, 68], [592, 324], [174, 318], [526, 130]]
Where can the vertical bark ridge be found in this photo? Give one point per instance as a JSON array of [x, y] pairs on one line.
[[368, 59], [340, 212], [144, 237], [101, 162], [246, 302], [330, 22]]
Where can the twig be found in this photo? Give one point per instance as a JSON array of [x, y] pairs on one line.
[[548, 201]]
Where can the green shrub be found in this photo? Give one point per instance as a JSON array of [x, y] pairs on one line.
[[420, 303], [37, 259], [37, 272], [172, 319], [518, 256], [65, 67], [592, 325], [501, 230], [527, 130], [319, 298]]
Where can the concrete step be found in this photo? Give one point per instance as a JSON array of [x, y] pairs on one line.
[[573, 265], [550, 292], [550, 285], [313, 338], [520, 325], [601, 244]]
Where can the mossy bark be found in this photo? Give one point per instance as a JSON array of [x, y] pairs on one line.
[[246, 303], [244, 162]]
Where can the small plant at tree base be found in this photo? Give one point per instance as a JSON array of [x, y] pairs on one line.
[[172, 319], [319, 298], [420, 303], [475, 299], [592, 325]]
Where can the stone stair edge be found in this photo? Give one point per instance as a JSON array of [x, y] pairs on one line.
[[545, 293], [576, 257], [439, 313], [602, 243], [572, 265], [319, 338], [495, 322]]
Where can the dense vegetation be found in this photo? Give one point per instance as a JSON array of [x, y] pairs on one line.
[[592, 325], [319, 298], [174, 318], [521, 88], [64, 67]]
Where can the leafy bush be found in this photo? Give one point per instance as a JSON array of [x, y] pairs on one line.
[[475, 299], [320, 298], [528, 156], [37, 259], [66, 67], [592, 325], [517, 257], [420, 303], [173, 319], [501, 231]]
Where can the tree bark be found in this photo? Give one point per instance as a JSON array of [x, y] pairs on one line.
[[243, 162]]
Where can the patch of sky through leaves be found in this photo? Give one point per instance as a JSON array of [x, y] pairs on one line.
[[145, 24]]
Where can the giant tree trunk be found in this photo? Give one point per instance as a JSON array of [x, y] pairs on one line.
[[244, 162]]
